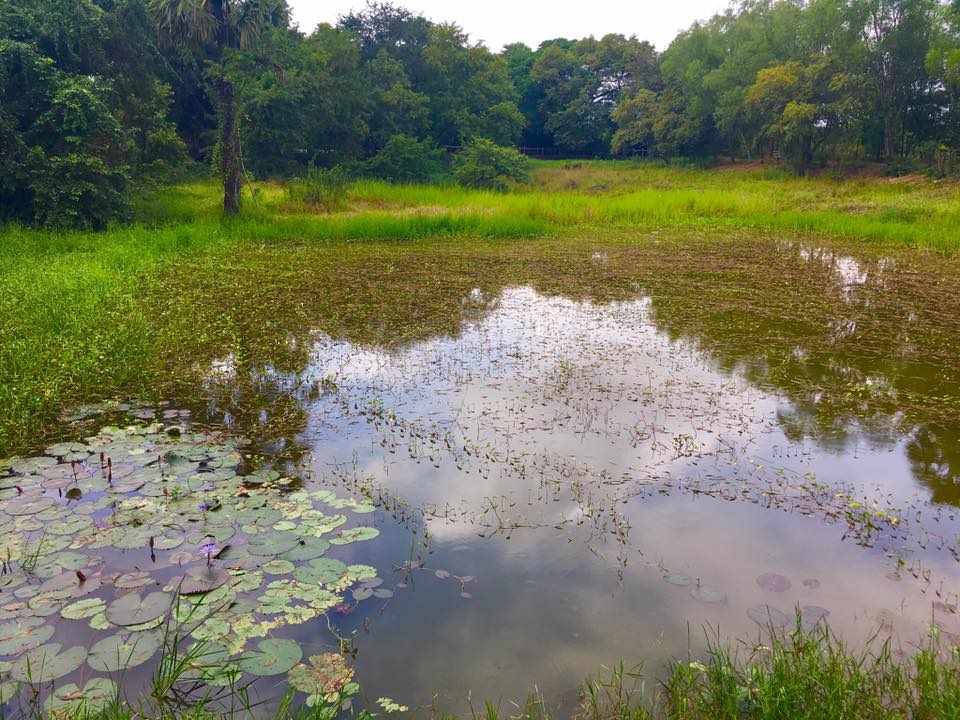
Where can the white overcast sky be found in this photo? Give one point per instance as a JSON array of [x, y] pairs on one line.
[[498, 22]]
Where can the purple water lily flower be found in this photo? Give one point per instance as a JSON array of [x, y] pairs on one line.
[[209, 550]]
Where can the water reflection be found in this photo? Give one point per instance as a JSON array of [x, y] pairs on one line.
[[570, 456]]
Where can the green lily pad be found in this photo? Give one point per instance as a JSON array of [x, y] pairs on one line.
[[278, 567], [100, 622], [168, 540], [45, 663], [69, 701], [307, 548], [84, 609], [134, 609], [324, 677], [122, 651], [65, 448], [28, 505], [212, 667], [28, 466], [203, 579], [271, 544], [356, 534], [149, 625], [132, 580], [212, 534], [321, 570], [23, 634], [272, 657], [356, 573], [362, 594], [131, 538]]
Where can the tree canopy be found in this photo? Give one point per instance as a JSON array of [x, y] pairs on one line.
[[99, 95]]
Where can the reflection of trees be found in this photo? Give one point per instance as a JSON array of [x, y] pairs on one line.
[[867, 357], [934, 454]]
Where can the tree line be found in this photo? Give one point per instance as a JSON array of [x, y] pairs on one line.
[[99, 95]]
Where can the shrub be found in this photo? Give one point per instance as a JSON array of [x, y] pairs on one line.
[[405, 159], [482, 164], [325, 188]]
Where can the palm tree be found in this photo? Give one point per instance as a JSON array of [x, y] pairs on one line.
[[220, 25]]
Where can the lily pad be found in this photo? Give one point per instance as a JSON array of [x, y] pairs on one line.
[[307, 548], [362, 594], [27, 466], [278, 567], [28, 505], [320, 570], [132, 580], [677, 578], [356, 534], [45, 663], [23, 634], [121, 651], [70, 701], [811, 615], [84, 609], [774, 582], [203, 579], [134, 609], [272, 544], [708, 594], [768, 617], [212, 667], [272, 657], [324, 677]]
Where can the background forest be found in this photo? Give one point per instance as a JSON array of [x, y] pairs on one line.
[[100, 95]]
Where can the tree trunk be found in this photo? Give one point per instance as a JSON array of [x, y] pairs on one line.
[[889, 132], [230, 161]]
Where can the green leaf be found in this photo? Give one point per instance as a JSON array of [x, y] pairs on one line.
[[45, 663], [83, 609], [121, 651], [272, 657], [354, 535], [133, 609], [69, 701]]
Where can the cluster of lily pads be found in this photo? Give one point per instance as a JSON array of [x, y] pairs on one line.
[[144, 528]]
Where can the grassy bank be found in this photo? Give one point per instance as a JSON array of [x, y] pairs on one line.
[[87, 315], [788, 675]]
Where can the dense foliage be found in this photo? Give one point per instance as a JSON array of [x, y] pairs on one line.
[[98, 94]]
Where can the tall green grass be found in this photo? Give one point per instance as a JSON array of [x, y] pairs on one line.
[[796, 675]]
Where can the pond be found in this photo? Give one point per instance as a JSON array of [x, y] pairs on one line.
[[562, 483]]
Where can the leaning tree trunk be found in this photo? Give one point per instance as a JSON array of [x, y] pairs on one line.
[[230, 161]]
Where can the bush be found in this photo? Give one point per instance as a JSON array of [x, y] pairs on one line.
[[482, 164], [321, 187], [405, 159]]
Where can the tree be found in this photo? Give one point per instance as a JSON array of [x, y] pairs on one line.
[[221, 26], [484, 165], [84, 103]]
